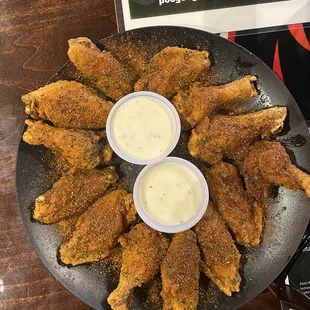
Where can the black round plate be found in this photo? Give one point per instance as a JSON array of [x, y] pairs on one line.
[[287, 214]]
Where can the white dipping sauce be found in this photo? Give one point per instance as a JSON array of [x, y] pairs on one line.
[[170, 193], [143, 127]]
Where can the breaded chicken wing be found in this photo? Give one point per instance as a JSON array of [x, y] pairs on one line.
[[134, 56], [230, 136], [97, 229], [267, 164], [73, 193], [172, 69], [243, 217], [152, 293], [180, 273], [220, 256], [69, 105], [143, 251], [66, 227], [81, 148], [100, 67], [199, 101]]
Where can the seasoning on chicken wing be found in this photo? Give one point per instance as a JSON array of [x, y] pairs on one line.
[[268, 164], [143, 251], [172, 69], [100, 67], [180, 273], [200, 101], [81, 148], [69, 105], [97, 229], [106, 150], [73, 193], [230, 136], [66, 227], [220, 255], [134, 56], [243, 218]]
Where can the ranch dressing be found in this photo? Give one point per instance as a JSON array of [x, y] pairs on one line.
[[143, 127], [170, 193]]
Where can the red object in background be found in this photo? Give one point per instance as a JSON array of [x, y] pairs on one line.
[[286, 50], [232, 36], [299, 34], [276, 63]]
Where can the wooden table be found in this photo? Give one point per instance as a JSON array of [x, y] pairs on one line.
[[33, 46]]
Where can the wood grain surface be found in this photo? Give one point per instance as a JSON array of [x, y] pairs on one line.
[[33, 46]]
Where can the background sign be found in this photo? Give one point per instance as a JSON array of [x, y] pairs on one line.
[[212, 15], [150, 8]]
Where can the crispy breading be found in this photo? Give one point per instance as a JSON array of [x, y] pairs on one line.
[[243, 216], [199, 101], [68, 104], [81, 148], [97, 229], [230, 136], [100, 67], [221, 258], [180, 273], [73, 193], [143, 251], [134, 56], [267, 164], [172, 69]]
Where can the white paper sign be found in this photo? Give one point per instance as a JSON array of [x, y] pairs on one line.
[[226, 19]]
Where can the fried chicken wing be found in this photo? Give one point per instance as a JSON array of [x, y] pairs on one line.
[[143, 251], [66, 227], [267, 164], [73, 193], [199, 101], [100, 67], [81, 148], [230, 136], [106, 150], [220, 256], [172, 69], [134, 56], [69, 105], [180, 273], [97, 229], [243, 217]]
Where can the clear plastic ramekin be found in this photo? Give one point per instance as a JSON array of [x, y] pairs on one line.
[[180, 227], [111, 138]]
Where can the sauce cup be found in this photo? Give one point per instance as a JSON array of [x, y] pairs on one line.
[[145, 205], [118, 120]]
